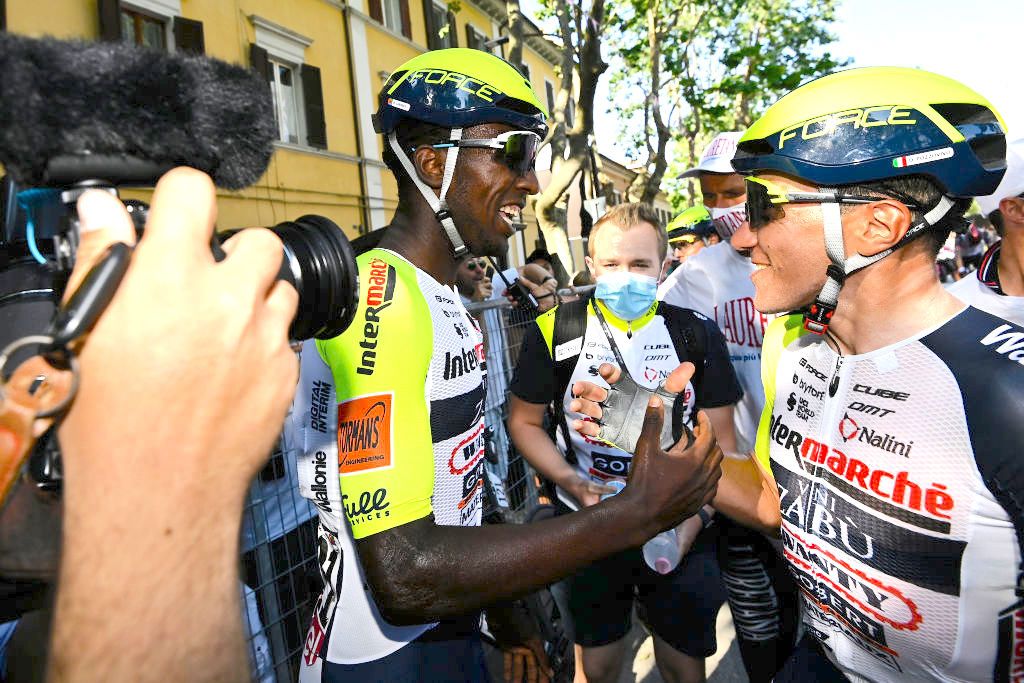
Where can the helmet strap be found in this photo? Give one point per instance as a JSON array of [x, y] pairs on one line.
[[818, 317], [437, 203]]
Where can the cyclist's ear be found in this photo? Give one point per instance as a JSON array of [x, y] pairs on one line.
[[873, 228], [429, 165]]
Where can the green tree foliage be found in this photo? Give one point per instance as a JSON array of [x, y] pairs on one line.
[[692, 68]]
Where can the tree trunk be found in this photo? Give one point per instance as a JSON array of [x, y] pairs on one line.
[[652, 183], [515, 32], [565, 167]]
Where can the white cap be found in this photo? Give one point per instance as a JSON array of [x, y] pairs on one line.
[[1012, 183], [717, 157]]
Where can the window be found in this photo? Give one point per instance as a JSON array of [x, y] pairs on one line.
[[549, 90], [283, 87], [394, 14], [440, 25], [140, 29], [475, 39], [153, 23], [279, 55]]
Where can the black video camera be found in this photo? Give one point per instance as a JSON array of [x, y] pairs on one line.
[[76, 116]]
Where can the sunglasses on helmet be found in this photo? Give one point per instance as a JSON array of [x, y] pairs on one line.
[[516, 148], [765, 200]]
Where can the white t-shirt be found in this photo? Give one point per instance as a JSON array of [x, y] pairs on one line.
[[973, 291], [716, 282]]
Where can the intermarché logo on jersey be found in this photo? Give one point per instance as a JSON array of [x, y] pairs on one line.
[[1010, 340], [854, 476], [379, 294], [364, 434]]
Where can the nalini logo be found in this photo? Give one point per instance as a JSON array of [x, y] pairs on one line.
[[364, 434], [848, 428]]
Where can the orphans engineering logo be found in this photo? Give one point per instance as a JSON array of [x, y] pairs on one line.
[[364, 434]]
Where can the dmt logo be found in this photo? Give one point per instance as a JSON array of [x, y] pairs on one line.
[[459, 82], [848, 428], [869, 117], [364, 434]]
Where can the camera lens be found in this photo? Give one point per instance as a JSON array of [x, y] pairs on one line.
[[321, 265], [319, 262]]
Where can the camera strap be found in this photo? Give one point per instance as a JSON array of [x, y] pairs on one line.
[[30, 398], [43, 385]]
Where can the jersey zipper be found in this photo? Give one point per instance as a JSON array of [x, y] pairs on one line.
[[825, 427]]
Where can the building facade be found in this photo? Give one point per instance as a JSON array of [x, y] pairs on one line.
[[325, 61]]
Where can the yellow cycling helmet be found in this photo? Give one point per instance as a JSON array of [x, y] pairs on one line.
[[693, 221], [874, 123], [457, 88], [863, 126]]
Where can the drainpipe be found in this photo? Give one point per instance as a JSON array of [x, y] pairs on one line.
[[364, 200]]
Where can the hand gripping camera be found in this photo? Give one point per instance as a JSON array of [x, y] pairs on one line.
[[77, 115]]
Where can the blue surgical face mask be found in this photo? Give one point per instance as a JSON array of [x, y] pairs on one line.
[[627, 295]]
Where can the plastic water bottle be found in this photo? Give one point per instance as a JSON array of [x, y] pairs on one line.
[[616, 484], [661, 553]]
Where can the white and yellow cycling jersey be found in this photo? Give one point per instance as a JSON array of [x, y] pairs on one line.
[[899, 474], [391, 420]]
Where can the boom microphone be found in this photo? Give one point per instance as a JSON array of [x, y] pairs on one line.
[[116, 112]]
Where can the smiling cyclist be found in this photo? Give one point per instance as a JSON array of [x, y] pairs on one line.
[[895, 414], [392, 411], [894, 428]]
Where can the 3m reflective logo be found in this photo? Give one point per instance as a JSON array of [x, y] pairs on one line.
[[364, 434], [869, 117]]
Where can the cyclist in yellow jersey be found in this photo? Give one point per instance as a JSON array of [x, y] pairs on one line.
[[391, 411]]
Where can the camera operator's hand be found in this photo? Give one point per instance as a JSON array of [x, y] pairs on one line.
[[670, 485], [185, 382]]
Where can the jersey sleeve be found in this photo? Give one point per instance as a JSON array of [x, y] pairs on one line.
[[380, 365], [719, 386], [534, 378], [779, 334]]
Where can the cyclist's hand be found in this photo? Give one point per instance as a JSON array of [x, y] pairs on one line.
[[527, 663], [669, 485], [586, 492]]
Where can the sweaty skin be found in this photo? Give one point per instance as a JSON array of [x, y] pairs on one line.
[[421, 572]]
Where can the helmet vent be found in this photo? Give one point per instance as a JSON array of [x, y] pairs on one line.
[[981, 129], [756, 147]]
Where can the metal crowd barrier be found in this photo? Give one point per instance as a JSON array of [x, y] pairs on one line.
[[280, 574]]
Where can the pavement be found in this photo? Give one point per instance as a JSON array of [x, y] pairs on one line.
[[725, 666]]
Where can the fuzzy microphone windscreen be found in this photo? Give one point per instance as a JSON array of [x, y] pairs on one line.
[[95, 100]]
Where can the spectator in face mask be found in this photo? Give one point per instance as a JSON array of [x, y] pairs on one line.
[[623, 319], [716, 282]]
